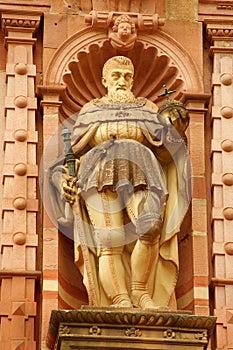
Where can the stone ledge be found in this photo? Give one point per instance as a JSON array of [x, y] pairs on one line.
[[107, 328]]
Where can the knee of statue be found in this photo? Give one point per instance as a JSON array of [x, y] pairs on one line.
[[152, 234]]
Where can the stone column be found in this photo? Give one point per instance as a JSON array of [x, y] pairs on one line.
[[19, 243], [193, 288], [221, 37], [50, 103]]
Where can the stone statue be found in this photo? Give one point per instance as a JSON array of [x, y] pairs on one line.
[[128, 195], [123, 35]]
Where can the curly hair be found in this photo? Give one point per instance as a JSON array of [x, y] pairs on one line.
[[117, 60], [124, 19]]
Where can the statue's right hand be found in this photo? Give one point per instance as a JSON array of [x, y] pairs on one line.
[[69, 189]]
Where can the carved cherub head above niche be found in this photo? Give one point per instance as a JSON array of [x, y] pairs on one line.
[[123, 34], [122, 27]]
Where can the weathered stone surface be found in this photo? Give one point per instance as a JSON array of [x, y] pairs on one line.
[[128, 329], [27, 46]]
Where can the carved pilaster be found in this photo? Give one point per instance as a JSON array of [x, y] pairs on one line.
[[221, 36], [20, 22], [20, 199], [50, 97], [19, 29], [198, 293]]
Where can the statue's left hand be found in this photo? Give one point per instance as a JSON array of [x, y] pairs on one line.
[[179, 117]]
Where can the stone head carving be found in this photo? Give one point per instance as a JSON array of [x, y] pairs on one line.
[[123, 35], [117, 78]]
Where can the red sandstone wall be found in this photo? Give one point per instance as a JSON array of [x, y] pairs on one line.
[[31, 254]]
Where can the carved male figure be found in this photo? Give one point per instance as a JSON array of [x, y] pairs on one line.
[[132, 189]]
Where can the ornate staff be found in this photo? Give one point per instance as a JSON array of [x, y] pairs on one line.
[[75, 205]]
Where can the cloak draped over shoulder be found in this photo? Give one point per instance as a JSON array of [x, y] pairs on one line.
[[147, 153]]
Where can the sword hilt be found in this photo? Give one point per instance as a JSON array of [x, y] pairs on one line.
[[69, 154]]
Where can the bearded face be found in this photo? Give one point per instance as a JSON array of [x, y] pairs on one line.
[[119, 81], [121, 96]]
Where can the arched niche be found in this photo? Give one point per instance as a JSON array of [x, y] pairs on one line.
[[158, 60], [77, 66]]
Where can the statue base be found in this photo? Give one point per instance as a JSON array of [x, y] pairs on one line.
[[109, 328]]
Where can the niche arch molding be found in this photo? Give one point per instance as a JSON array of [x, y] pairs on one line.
[[158, 59]]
